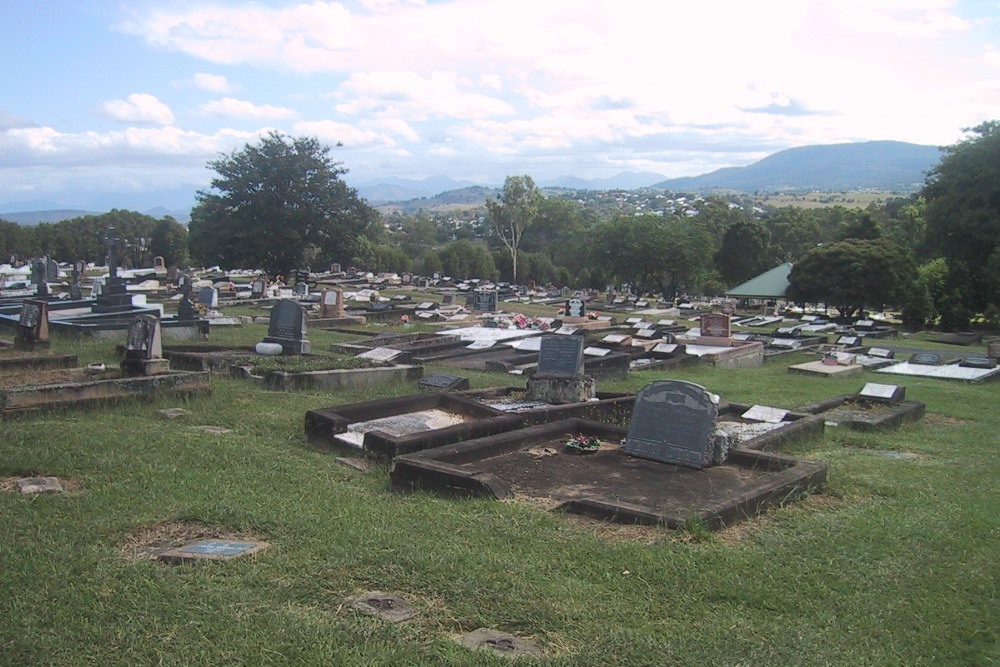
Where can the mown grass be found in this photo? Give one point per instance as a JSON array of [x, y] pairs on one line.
[[894, 564]]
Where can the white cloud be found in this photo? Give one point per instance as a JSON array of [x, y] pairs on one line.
[[229, 107], [213, 83], [138, 108], [351, 137], [440, 94]]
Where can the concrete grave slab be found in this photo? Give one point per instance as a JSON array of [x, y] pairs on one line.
[[211, 549], [820, 369], [386, 606], [37, 485], [499, 643], [946, 372]]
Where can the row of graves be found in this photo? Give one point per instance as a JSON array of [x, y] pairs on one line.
[[35, 378], [672, 454]]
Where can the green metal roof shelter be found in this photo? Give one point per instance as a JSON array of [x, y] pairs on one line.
[[769, 285]]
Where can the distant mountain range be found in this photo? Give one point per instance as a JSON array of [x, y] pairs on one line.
[[892, 166], [871, 165]]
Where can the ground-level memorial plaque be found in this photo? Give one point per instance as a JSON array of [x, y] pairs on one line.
[[673, 422], [443, 382], [211, 549]]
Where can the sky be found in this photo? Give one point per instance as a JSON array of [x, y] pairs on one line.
[[125, 96]]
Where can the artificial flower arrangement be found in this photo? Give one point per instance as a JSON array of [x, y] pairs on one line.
[[583, 444]]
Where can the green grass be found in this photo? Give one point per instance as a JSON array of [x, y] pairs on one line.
[[894, 564]]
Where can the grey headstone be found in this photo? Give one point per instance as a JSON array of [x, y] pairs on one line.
[[208, 297], [927, 359], [672, 422], [486, 301], [882, 393], [561, 355], [143, 339], [576, 308], [257, 289], [443, 382], [287, 321]]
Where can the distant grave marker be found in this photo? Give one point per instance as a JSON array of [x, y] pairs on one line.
[[332, 303], [715, 325], [883, 393], [32, 325], [927, 359], [287, 327], [576, 308], [208, 297]]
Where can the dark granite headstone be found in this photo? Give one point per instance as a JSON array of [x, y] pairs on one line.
[[443, 382], [576, 308], [51, 269], [208, 297], [486, 301], [672, 422], [561, 355], [927, 359], [186, 309], [978, 362], [287, 327]]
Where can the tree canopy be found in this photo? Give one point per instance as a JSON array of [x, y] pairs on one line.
[[279, 204], [963, 221], [853, 274], [515, 209]]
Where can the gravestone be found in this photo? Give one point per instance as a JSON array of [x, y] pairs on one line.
[[443, 382], [406, 278], [849, 340], [447, 299], [144, 348], [864, 325], [881, 352], [300, 289], [993, 349], [258, 289], [159, 263], [561, 355], [332, 303], [287, 327], [882, 393], [559, 378], [113, 296], [186, 309], [51, 269], [33, 485], [75, 290], [335, 268], [673, 422], [486, 301], [211, 549], [380, 354], [978, 362], [927, 359], [32, 325], [764, 413], [576, 308], [208, 297], [715, 325]]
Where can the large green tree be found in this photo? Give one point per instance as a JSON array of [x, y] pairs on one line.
[[279, 204], [853, 274], [963, 221], [513, 211], [745, 252]]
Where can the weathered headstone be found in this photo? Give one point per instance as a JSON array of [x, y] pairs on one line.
[[486, 301], [186, 309], [576, 308], [993, 349], [144, 348], [287, 327], [33, 485], [882, 393], [208, 297], [32, 325], [159, 263], [673, 422], [335, 268], [443, 382], [561, 355], [715, 325], [258, 289], [927, 359], [332, 303]]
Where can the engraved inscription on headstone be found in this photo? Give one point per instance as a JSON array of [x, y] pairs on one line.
[[561, 355], [33, 324], [287, 327], [143, 339], [486, 301], [208, 297], [672, 422]]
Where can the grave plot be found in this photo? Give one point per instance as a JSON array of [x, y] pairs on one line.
[[143, 373], [764, 428], [876, 407], [387, 427], [534, 464], [30, 348], [967, 370], [14, 361], [826, 369]]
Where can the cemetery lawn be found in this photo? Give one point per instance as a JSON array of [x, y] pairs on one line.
[[895, 563]]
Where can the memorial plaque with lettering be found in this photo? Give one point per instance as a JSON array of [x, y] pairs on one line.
[[596, 351], [881, 353], [672, 422], [848, 340], [561, 355], [208, 297]]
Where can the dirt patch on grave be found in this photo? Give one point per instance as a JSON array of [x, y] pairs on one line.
[[69, 485], [937, 419], [146, 542], [38, 378]]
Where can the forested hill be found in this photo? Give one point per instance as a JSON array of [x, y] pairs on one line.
[[876, 165]]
